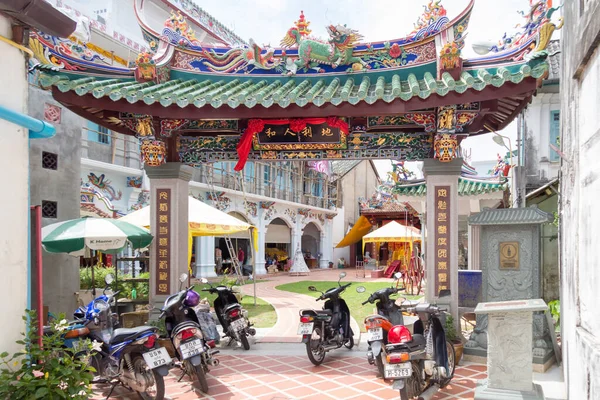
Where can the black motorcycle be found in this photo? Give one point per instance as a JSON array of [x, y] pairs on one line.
[[327, 329], [231, 315], [418, 361], [183, 327]]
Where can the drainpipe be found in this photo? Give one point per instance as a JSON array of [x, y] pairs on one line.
[[37, 129]]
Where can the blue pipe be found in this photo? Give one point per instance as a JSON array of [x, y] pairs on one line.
[[37, 129]]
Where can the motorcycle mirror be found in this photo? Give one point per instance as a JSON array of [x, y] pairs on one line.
[[361, 289], [183, 278], [108, 279], [342, 275], [204, 280], [398, 275], [312, 289]]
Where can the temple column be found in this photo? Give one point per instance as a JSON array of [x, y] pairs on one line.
[[169, 191], [205, 257], [259, 263], [442, 230], [324, 260], [296, 241]]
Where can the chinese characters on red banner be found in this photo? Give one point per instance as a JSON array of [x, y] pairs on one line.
[[163, 241], [442, 238]]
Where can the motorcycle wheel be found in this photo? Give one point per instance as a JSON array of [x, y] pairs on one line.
[[157, 391], [413, 386], [451, 364], [349, 343], [198, 370], [379, 364], [316, 357], [244, 340]]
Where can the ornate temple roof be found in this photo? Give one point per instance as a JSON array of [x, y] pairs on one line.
[[510, 216], [467, 186]]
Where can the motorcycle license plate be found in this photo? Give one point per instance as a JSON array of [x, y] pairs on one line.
[[238, 324], [403, 370], [191, 348], [305, 328], [374, 334], [156, 358]]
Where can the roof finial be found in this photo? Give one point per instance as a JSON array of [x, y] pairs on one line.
[[302, 25]]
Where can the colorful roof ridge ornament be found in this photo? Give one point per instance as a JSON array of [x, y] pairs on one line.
[[145, 67], [431, 21], [154, 152], [302, 25], [450, 56], [177, 31]]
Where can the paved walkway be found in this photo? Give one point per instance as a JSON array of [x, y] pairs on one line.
[[344, 375], [288, 305]]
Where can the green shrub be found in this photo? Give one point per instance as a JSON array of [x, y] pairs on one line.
[[100, 272], [554, 307], [449, 328], [47, 372]]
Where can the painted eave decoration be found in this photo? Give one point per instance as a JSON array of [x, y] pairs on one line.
[[309, 77]]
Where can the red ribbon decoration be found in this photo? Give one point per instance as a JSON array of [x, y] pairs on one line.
[[296, 125]]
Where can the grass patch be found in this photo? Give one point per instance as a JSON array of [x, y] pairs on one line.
[[262, 315], [352, 298]]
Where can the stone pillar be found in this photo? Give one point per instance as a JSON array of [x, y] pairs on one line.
[[509, 361], [259, 263], [296, 241], [169, 191], [324, 261], [442, 230], [205, 257]]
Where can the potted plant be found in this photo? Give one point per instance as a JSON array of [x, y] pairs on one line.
[[452, 336]]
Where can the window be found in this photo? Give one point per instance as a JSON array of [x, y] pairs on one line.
[[103, 135], [554, 134], [49, 209], [49, 160], [249, 172], [97, 133], [267, 174]]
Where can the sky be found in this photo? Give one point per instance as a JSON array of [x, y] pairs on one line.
[[266, 21]]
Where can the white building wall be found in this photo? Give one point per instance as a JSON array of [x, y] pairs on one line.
[[14, 213]]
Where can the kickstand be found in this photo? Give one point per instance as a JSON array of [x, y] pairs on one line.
[[114, 385], [182, 375]]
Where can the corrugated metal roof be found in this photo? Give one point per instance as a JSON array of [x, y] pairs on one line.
[[510, 216]]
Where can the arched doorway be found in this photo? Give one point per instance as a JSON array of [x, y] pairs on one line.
[[311, 244], [241, 246], [278, 243]]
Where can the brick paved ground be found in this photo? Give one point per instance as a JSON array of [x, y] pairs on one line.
[[243, 376]]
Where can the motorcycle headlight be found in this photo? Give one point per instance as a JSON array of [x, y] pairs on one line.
[[101, 305]]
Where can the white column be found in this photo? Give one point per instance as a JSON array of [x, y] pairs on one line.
[[259, 264], [205, 257], [324, 261], [14, 213], [296, 241]]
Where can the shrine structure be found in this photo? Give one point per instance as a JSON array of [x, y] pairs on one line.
[[413, 98]]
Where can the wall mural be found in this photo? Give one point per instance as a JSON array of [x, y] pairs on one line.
[[143, 200], [135, 181], [291, 213], [219, 200], [105, 186], [269, 209]]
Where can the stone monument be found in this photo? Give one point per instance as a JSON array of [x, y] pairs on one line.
[[509, 360], [299, 266], [511, 270]]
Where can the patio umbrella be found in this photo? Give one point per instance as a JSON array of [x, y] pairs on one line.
[[107, 235]]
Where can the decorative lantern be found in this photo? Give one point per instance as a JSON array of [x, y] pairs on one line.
[[445, 147], [154, 152]]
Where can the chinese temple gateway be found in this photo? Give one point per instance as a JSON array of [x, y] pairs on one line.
[[413, 98]]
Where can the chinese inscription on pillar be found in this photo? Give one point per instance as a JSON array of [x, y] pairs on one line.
[[442, 238], [163, 241]]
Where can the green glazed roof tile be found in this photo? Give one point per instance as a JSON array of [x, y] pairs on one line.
[[466, 187], [250, 93]]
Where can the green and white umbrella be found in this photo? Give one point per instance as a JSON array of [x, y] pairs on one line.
[[107, 235]]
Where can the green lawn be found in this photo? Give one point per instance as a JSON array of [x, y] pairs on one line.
[[353, 299], [262, 315]]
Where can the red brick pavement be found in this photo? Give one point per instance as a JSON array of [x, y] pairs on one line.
[[294, 377]]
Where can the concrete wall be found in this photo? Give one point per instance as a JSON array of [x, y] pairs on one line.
[[360, 182], [539, 169], [580, 190], [61, 271], [122, 150], [14, 212]]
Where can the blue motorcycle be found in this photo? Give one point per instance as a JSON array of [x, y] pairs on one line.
[[130, 357]]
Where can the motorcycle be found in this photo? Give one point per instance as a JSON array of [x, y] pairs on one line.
[[127, 356], [232, 317], [420, 360], [378, 325], [327, 329], [183, 327]]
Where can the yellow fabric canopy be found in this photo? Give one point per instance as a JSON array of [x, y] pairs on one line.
[[203, 220], [360, 229], [393, 232]]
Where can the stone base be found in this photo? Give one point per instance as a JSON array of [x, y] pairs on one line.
[[479, 355], [483, 392], [377, 273]]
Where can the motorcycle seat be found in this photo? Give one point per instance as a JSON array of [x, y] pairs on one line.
[[125, 334], [231, 307], [324, 312]]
